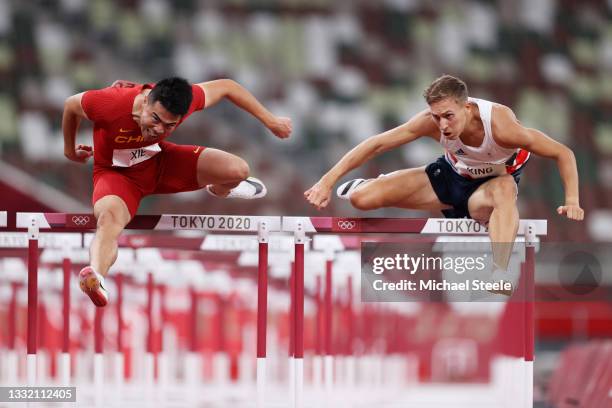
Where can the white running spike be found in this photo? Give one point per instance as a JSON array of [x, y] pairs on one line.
[[249, 189]]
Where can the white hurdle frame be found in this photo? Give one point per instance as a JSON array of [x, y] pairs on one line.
[[166, 222], [299, 226], [530, 229], [64, 242]]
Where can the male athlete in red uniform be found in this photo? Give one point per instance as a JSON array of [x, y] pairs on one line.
[[132, 159], [485, 147]]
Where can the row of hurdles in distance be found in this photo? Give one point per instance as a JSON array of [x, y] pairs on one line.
[[263, 226]]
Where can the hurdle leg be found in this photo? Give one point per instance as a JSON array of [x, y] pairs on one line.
[[262, 312], [65, 355], [530, 241], [33, 235], [163, 361], [318, 359], [291, 366], [350, 358], [119, 357], [328, 360], [149, 356], [193, 364], [98, 357], [11, 362], [300, 239]]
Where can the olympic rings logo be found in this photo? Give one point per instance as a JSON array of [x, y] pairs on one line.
[[347, 225], [80, 220]]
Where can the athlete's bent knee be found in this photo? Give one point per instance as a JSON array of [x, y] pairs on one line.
[[503, 191], [362, 200], [109, 219], [238, 170]]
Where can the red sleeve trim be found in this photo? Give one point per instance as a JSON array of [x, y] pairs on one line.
[[199, 98]]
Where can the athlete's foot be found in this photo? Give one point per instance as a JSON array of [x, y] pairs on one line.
[[345, 189], [249, 189], [502, 285], [92, 284]]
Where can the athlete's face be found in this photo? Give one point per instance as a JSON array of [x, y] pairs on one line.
[[156, 123], [450, 116]]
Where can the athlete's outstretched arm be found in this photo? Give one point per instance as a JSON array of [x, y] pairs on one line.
[[71, 119], [218, 89], [508, 132], [420, 125]]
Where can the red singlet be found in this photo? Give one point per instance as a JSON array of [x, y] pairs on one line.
[[124, 164]]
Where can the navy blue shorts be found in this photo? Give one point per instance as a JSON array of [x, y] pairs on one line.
[[453, 189]]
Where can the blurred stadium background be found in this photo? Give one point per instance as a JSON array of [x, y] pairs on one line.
[[342, 70]]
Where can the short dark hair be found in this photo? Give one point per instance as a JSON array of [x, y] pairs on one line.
[[175, 94], [447, 86]]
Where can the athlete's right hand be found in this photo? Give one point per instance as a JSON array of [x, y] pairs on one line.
[[280, 126], [319, 194], [80, 154]]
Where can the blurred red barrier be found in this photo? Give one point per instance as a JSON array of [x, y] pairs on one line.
[[583, 377]]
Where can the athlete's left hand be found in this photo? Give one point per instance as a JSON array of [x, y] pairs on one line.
[[319, 195], [571, 211], [280, 126]]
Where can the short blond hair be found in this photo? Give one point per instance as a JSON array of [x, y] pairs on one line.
[[447, 86]]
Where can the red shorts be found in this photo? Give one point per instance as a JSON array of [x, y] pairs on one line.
[[173, 170]]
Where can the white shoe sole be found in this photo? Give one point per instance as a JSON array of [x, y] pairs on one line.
[[250, 189], [344, 190]]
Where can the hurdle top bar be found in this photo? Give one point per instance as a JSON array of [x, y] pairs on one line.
[[46, 240], [445, 226], [164, 222], [209, 242], [3, 219]]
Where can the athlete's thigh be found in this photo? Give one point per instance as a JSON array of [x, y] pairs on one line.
[[115, 193], [409, 188], [114, 205], [178, 169], [480, 203], [218, 167]]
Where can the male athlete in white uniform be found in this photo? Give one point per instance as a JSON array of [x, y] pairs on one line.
[[486, 148]]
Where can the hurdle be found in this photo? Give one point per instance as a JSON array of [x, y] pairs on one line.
[[64, 242], [126, 255], [330, 245], [34, 222], [530, 229], [250, 253], [300, 227]]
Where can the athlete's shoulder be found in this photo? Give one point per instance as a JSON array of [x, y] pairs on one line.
[[199, 98], [502, 115], [122, 83], [116, 90], [505, 126], [422, 124], [110, 102]]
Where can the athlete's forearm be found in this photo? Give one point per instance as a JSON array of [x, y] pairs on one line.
[[356, 157], [71, 119], [568, 170], [70, 126], [245, 100], [544, 146], [372, 147]]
